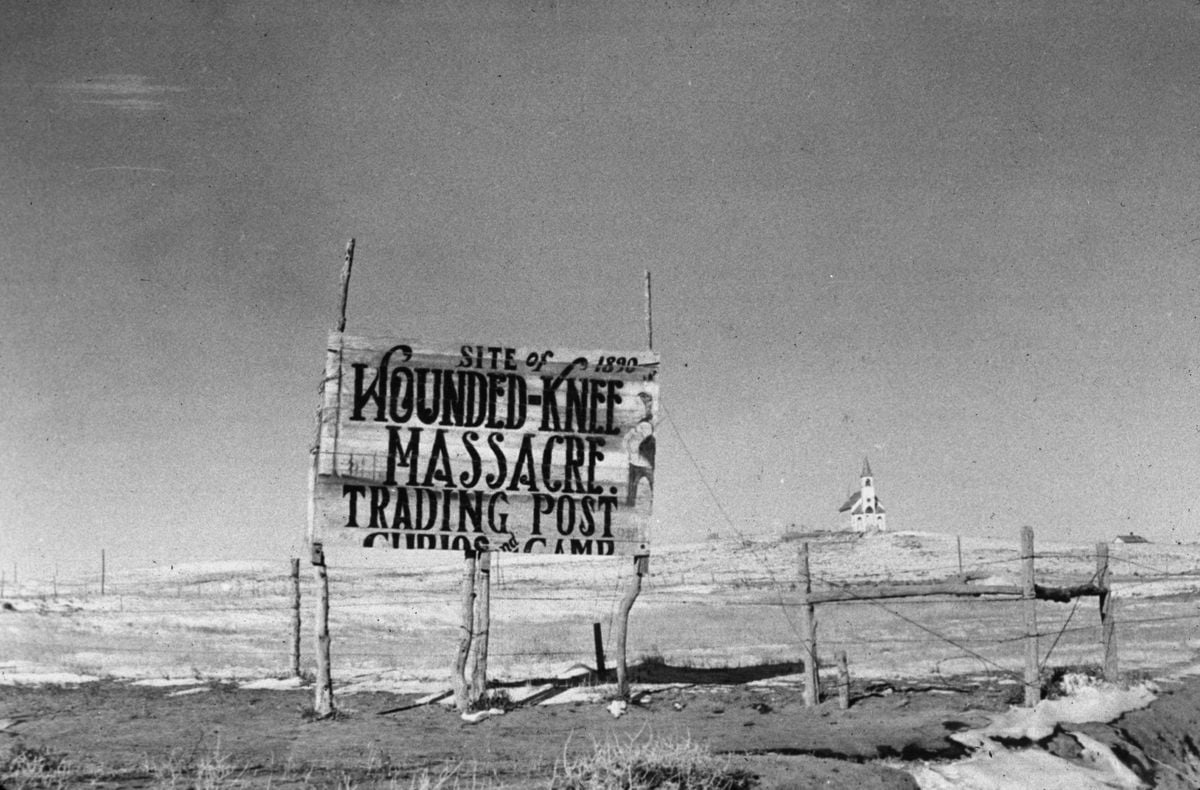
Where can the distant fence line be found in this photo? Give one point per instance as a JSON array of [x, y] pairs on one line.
[[659, 591]]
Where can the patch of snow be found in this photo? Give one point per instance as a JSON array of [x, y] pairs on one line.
[[390, 685], [1000, 768], [186, 692], [480, 715], [1189, 670], [574, 671], [273, 684], [993, 766], [522, 693], [1157, 588], [164, 682], [577, 694], [1091, 702], [780, 681], [9, 678]]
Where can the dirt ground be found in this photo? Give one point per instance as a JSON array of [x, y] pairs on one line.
[[114, 734]]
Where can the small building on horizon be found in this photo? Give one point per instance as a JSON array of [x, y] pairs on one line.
[[1130, 538], [865, 511]]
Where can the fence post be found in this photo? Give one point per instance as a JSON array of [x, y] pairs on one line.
[[1033, 682], [641, 566], [323, 704], [1108, 625], [462, 689], [808, 631], [296, 617], [598, 640], [843, 680], [483, 623]]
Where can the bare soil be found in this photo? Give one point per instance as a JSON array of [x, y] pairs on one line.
[[116, 734]]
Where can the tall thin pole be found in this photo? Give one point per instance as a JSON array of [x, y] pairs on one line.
[[641, 562], [347, 265], [295, 617], [649, 315], [103, 571], [1033, 681], [808, 632], [1107, 613], [323, 702]]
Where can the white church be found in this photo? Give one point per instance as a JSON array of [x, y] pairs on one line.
[[864, 507]]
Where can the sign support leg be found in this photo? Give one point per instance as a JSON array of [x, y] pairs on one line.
[[323, 703], [483, 620], [641, 566], [462, 686]]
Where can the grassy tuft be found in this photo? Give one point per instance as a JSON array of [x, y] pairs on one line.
[[495, 698], [676, 764], [30, 767], [208, 771], [1058, 682]]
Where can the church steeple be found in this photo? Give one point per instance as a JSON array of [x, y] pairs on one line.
[[866, 511]]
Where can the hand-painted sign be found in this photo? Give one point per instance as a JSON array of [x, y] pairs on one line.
[[485, 447]]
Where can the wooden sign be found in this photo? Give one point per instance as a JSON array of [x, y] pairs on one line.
[[485, 447]]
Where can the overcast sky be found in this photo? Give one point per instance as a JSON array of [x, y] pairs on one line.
[[959, 238]]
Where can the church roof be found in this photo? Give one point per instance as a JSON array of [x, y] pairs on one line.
[[866, 467], [855, 504]]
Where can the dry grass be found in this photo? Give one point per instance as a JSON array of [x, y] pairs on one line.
[[655, 763], [26, 767]]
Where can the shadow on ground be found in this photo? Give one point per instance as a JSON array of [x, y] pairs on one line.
[[660, 672]]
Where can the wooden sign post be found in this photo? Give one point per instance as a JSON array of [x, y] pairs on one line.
[[323, 701], [462, 686], [483, 623], [641, 562], [641, 566]]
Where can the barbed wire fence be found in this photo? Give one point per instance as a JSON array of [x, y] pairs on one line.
[[211, 625], [390, 619]]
